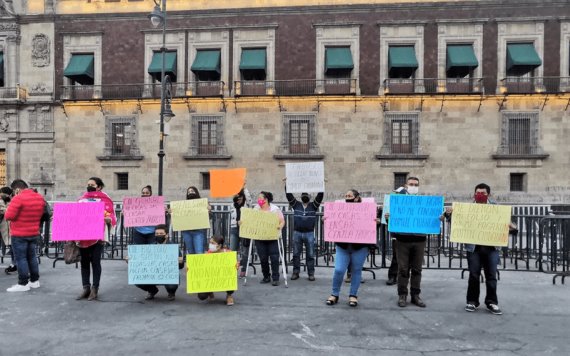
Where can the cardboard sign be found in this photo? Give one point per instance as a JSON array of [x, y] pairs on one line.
[[78, 221], [259, 225], [306, 177], [480, 224], [350, 222], [385, 209], [415, 214], [211, 272], [153, 264], [147, 211], [190, 214], [226, 182]]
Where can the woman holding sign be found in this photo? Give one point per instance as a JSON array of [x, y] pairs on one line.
[[144, 235], [91, 250], [269, 249], [194, 240]]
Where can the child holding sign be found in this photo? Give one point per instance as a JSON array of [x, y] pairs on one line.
[[216, 246]]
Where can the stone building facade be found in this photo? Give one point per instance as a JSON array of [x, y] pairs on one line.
[[455, 93]]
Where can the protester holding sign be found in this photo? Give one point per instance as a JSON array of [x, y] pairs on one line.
[[194, 240], [240, 200], [304, 219], [349, 253], [482, 256], [216, 245], [269, 249], [91, 250], [143, 235], [161, 238]]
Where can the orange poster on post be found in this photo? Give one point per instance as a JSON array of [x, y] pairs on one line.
[[226, 182]]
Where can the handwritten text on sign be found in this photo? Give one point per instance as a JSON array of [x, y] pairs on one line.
[[480, 224], [305, 177], [153, 264], [259, 225], [414, 214], [78, 221], [190, 214], [350, 222], [211, 272], [147, 211]]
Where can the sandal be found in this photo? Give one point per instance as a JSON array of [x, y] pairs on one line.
[[332, 300], [353, 300]]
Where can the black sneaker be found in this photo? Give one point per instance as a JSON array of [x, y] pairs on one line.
[[275, 283], [391, 281], [171, 297], [494, 309], [150, 295], [295, 276], [470, 307], [10, 269], [265, 280]]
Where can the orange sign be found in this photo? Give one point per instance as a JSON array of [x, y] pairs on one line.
[[226, 182]]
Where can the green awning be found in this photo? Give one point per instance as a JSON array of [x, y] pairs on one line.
[[155, 67], [402, 57], [461, 56], [523, 55], [80, 68], [2, 68], [338, 58], [253, 59], [207, 61]]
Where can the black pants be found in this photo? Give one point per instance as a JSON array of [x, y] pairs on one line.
[[393, 270], [151, 288], [486, 257], [268, 250], [91, 257], [410, 259]]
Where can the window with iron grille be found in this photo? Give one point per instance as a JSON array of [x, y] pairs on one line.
[[401, 133], [205, 176], [517, 182], [207, 136], [299, 135], [400, 178], [121, 140], [122, 181], [519, 134]]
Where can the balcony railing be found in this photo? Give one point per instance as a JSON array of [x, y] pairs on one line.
[[434, 86], [140, 91], [299, 87], [13, 93], [530, 85]]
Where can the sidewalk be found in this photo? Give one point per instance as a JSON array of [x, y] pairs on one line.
[[282, 321]]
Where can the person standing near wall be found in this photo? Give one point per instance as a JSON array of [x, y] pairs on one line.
[[144, 235]]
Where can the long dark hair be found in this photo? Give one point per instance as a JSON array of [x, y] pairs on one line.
[[267, 196], [195, 189], [147, 187]]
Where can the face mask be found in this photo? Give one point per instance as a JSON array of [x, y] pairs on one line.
[[191, 196], [260, 202], [481, 198], [91, 188], [305, 199], [349, 200], [213, 247], [413, 190], [160, 239]]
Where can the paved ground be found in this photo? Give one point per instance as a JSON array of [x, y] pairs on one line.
[[282, 321]]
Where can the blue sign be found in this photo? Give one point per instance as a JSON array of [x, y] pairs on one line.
[[153, 264], [415, 214]]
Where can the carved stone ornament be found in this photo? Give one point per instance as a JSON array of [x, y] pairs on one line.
[[4, 124], [6, 8], [40, 50]]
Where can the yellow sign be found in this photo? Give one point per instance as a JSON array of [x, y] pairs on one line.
[[190, 214], [211, 272], [259, 225], [480, 224]]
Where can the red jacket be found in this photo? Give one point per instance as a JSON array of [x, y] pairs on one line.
[[24, 213]]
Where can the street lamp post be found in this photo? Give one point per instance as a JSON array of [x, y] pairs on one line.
[[158, 17]]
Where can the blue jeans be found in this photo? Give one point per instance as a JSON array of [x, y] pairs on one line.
[[307, 239], [143, 239], [234, 238], [342, 258], [486, 257], [26, 259], [194, 241]]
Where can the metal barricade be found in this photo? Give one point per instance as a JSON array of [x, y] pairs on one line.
[[554, 246]]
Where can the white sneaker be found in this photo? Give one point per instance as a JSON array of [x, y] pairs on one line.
[[34, 285], [19, 288]]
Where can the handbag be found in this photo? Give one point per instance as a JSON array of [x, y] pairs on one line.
[[71, 253]]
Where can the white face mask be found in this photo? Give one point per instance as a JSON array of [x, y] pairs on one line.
[[413, 190], [213, 247]]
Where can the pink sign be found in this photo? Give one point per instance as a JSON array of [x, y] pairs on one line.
[[78, 221], [147, 211], [350, 222]]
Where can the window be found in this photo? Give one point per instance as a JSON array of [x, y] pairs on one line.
[[253, 64], [460, 61], [205, 176], [206, 65], [522, 59], [122, 181], [400, 179], [517, 182], [401, 133], [170, 65], [2, 167], [207, 137], [402, 62], [401, 136], [519, 135], [338, 63], [1, 69], [121, 140], [299, 136]]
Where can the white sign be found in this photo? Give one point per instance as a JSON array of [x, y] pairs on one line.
[[305, 177]]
